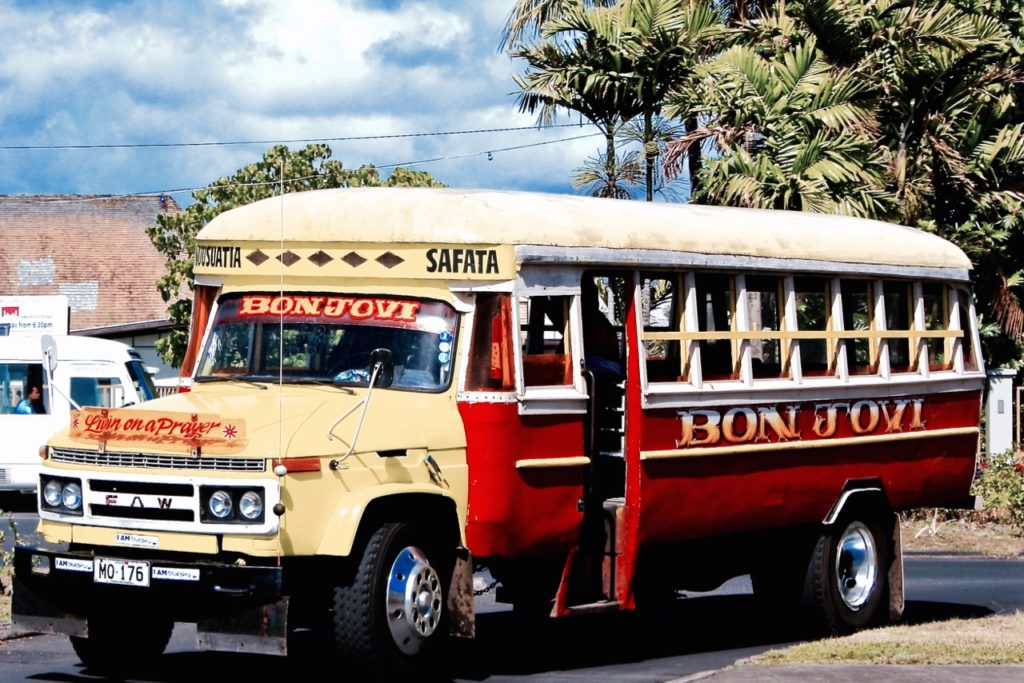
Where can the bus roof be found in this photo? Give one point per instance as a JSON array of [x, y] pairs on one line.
[[562, 225]]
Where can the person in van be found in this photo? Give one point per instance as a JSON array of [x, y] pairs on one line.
[[31, 404]]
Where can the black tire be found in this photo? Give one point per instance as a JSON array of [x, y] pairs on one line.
[[124, 643], [375, 627], [847, 582]]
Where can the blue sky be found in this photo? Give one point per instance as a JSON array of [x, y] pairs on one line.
[[166, 71]]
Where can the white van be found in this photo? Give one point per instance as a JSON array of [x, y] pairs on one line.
[[91, 372]]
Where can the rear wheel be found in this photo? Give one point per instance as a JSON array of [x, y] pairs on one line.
[[392, 617], [847, 584], [116, 644]]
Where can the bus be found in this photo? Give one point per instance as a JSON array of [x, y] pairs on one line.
[[602, 402]]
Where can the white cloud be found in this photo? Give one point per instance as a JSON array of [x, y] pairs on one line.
[[145, 72]]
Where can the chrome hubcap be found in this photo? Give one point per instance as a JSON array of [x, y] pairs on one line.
[[414, 600], [856, 565]]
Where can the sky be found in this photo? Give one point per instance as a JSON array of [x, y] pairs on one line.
[[133, 72]]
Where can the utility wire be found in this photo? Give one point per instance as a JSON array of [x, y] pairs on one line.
[[182, 190], [225, 143]]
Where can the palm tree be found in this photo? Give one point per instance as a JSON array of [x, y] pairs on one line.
[[789, 132], [946, 81], [524, 21], [667, 39], [581, 65]]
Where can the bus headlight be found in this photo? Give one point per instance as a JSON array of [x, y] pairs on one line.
[[250, 505], [52, 493], [71, 496], [220, 504]]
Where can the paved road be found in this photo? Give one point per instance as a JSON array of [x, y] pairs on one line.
[[701, 632]]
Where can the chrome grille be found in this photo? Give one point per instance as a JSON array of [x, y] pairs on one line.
[[157, 461], [5, 476]]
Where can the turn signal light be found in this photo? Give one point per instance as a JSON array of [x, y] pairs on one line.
[[294, 465]]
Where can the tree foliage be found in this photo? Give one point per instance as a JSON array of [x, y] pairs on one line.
[[280, 170], [904, 110]]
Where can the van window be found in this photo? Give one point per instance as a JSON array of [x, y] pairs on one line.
[[99, 392], [17, 381], [141, 380]]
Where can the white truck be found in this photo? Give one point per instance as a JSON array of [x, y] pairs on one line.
[[86, 371]]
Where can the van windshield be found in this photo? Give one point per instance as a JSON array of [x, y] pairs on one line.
[[329, 338]]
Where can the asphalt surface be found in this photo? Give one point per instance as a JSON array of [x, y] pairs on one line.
[[703, 637]]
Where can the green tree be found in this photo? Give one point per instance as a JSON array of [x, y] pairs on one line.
[[947, 82], [612, 64], [789, 131], [280, 169], [582, 64]]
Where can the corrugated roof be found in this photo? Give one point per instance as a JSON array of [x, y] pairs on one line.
[[92, 248], [425, 216]]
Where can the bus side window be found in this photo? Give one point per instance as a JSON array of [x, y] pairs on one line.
[[544, 336], [899, 312], [936, 317], [715, 313], [858, 316], [967, 341], [491, 365], [764, 311], [661, 313], [812, 315]]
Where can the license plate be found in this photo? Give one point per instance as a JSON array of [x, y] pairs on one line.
[[120, 572]]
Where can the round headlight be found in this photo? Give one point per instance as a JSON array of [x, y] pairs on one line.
[[251, 505], [51, 493], [71, 495], [220, 504]]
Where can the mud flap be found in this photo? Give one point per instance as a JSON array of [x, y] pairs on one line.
[[896, 597], [33, 614], [462, 623], [262, 630]]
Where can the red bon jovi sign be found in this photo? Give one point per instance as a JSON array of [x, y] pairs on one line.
[[211, 433]]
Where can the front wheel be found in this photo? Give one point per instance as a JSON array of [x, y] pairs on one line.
[[847, 580], [392, 616], [117, 644]]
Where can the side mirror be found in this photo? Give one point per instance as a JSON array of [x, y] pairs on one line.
[[386, 371], [49, 345]]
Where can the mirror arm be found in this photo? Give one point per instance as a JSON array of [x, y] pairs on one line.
[[366, 404]]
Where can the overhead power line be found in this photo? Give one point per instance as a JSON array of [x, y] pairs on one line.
[[488, 153], [226, 143]]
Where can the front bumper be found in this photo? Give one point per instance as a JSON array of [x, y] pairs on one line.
[[59, 585]]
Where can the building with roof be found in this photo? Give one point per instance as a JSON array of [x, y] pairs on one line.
[[94, 250]]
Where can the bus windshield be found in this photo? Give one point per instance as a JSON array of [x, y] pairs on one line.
[[329, 338]]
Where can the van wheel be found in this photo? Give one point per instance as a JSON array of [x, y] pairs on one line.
[[122, 643], [392, 617], [847, 580]]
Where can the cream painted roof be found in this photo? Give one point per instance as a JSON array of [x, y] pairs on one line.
[[429, 216]]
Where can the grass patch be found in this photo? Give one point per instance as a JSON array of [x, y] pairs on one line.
[[931, 533], [991, 640], [5, 594]]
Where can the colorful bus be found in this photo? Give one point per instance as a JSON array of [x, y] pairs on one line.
[[599, 401]]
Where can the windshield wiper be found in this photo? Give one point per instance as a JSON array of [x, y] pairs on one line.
[[321, 382], [209, 378]]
